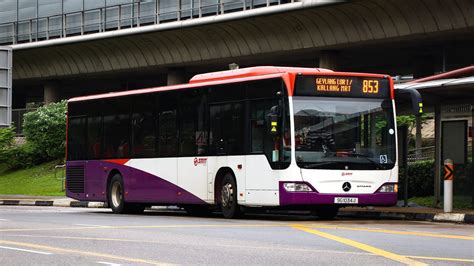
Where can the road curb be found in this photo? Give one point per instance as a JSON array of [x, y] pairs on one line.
[[415, 216], [54, 203]]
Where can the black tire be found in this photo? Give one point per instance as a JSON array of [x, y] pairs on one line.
[[116, 198], [326, 212], [134, 208], [228, 198], [198, 210]]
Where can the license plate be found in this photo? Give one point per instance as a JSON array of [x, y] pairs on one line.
[[342, 200]]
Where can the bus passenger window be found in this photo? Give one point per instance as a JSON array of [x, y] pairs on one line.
[[117, 132], [167, 124], [143, 135], [226, 128], [76, 138], [143, 127], [94, 137]]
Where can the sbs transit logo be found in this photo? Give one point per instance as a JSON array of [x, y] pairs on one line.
[[202, 161]]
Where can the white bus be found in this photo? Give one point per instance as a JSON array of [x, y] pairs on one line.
[[273, 137]]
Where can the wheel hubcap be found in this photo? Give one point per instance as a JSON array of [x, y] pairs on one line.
[[116, 194], [226, 195]]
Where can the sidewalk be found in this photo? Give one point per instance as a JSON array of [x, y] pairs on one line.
[[409, 213], [395, 213]]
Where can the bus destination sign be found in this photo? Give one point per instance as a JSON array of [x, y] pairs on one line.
[[342, 86]]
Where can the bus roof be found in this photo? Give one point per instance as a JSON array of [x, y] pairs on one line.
[[252, 72], [222, 77]]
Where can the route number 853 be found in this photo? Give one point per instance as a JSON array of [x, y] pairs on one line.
[[370, 86]]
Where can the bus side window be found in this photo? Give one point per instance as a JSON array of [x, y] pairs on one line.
[[77, 138], [258, 127], [167, 124], [94, 137], [193, 123], [227, 128], [143, 127]]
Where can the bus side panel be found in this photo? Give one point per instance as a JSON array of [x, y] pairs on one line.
[[95, 181], [155, 181], [261, 182], [232, 162], [192, 175], [237, 164]]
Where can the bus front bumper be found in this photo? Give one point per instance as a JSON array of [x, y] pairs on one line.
[[316, 198]]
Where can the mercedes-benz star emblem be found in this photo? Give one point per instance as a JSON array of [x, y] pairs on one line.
[[346, 186]]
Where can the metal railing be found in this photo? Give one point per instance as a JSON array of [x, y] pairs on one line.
[[428, 153], [422, 154], [119, 17], [62, 177], [17, 119]]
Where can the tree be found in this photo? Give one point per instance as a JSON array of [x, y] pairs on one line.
[[45, 130]]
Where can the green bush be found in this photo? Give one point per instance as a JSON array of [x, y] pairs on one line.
[[16, 157], [6, 142], [23, 156], [421, 179], [45, 130]]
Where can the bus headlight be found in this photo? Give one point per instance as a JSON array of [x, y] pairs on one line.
[[389, 188], [296, 187]]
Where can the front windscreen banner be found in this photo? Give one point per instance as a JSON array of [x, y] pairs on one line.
[[342, 86]]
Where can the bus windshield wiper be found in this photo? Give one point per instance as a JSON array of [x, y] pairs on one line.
[[313, 165], [352, 154], [378, 165]]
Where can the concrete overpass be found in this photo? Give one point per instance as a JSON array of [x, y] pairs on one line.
[[418, 37]]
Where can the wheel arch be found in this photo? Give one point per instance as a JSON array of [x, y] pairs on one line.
[[218, 182], [109, 178]]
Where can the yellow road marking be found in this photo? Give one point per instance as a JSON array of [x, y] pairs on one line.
[[361, 246], [393, 232], [191, 244], [142, 226], [235, 246], [79, 252], [320, 226], [438, 258], [238, 246]]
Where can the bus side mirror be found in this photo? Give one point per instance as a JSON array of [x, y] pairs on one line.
[[272, 119], [415, 98]]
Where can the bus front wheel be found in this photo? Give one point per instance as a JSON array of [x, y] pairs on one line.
[[229, 206]]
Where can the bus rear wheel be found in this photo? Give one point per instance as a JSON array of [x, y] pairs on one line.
[[116, 198], [229, 206]]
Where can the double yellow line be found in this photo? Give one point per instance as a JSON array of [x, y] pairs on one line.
[[308, 228], [365, 247]]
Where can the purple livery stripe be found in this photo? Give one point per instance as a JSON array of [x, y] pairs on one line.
[[139, 186]]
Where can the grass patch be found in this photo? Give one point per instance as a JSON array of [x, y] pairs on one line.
[[459, 202], [38, 181]]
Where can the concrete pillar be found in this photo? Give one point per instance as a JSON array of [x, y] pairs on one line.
[[472, 161], [418, 137], [329, 60], [176, 76], [51, 93], [438, 163]]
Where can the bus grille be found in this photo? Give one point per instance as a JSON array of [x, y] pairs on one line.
[[75, 178]]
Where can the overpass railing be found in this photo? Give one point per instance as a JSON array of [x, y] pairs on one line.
[[121, 16]]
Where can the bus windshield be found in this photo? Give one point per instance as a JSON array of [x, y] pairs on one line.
[[344, 133]]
